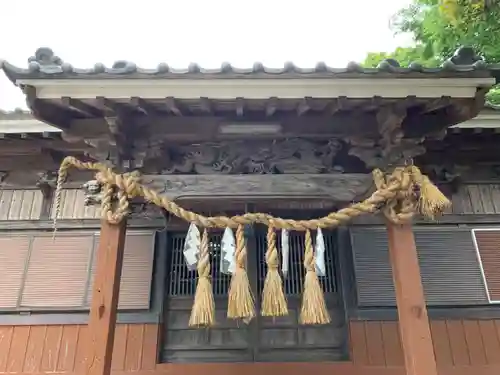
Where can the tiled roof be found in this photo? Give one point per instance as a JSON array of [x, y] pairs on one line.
[[45, 64], [16, 114], [495, 107], [21, 121]]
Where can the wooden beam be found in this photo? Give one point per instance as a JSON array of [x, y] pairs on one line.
[[414, 326], [81, 107], [240, 106], [43, 160], [205, 105], [333, 187], [436, 104], [304, 106], [107, 106], [143, 106], [271, 106], [339, 104], [102, 317], [33, 146], [375, 103], [197, 128], [172, 106]]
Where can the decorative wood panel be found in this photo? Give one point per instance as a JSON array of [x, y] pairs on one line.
[[488, 247], [21, 204], [461, 348], [73, 207], [477, 199]]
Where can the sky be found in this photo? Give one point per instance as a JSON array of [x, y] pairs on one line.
[[178, 32]]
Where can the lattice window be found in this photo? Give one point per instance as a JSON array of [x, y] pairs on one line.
[[294, 283], [182, 281], [265, 339]]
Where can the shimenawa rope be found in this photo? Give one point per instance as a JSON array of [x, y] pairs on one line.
[[399, 196]]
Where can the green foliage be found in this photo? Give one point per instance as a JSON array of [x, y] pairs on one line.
[[439, 27], [493, 96], [403, 55], [442, 26]]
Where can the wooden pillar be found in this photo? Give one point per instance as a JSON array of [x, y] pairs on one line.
[[102, 319], [413, 320]]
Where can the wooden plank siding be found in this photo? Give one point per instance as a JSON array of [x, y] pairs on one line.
[[73, 207], [26, 204], [477, 199], [20, 204], [470, 199], [461, 347]]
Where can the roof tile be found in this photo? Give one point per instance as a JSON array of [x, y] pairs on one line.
[[45, 64]]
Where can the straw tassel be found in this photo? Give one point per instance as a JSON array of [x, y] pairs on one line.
[[273, 299], [432, 202], [241, 302], [313, 310], [203, 310]]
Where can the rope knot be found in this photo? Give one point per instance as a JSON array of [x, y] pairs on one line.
[[402, 204], [399, 196]]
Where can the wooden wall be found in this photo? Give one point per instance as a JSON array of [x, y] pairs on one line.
[[21, 204], [461, 347], [477, 199], [73, 206]]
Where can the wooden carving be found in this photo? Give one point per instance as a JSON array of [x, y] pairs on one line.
[[47, 182], [254, 157], [375, 155]]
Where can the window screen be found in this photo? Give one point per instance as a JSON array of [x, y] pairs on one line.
[[450, 270]]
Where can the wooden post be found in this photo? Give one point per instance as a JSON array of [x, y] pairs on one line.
[[412, 311], [102, 319]]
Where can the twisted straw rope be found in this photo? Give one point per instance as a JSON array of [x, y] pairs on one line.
[[240, 253], [240, 299], [203, 266], [203, 310], [272, 251], [392, 191], [273, 297], [309, 256], [313, 309]]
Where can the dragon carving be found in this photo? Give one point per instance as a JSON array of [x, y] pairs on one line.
[[254, 157]]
